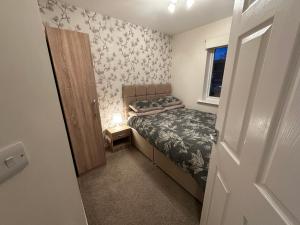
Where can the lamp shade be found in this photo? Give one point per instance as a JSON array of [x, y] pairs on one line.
[[117, 119]]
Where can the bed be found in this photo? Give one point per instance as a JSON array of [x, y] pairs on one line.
[[178, 140]]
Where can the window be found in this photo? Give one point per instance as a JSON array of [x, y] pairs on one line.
[[214, 77]]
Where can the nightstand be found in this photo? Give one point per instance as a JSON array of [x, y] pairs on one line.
[[118, 137]]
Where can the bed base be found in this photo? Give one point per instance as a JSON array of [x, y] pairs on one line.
[[142, 144], [164, 163]]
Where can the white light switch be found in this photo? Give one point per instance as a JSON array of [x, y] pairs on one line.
[[12, 160]]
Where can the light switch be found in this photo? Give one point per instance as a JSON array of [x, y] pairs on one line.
[[10, 162], [13, 159]]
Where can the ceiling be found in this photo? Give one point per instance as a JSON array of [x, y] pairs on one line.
[[154, 13]]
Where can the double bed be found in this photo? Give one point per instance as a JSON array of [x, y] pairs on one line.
[[177, 140]]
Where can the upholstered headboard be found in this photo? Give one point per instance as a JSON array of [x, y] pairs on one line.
[[131, 93]]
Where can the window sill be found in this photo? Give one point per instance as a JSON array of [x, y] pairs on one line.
[[208, 102]]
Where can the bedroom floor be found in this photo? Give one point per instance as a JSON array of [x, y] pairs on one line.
[[129, 190]]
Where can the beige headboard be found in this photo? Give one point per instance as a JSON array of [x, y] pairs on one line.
[[131, 93]]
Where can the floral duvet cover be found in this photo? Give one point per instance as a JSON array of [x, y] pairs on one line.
[[183, 135]]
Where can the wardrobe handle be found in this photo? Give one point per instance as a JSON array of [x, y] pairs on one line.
[[94, 103]]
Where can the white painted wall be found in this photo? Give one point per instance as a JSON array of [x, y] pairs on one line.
[[189, 61], [46, 192]]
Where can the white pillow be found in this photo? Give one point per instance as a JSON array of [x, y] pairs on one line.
[[132, 113], [174, 107]]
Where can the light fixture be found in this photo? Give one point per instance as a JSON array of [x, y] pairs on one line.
[[173, 3], [117, 119], [189, 3], [171, 7]]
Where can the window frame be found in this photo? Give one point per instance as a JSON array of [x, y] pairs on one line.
[[206, 98]]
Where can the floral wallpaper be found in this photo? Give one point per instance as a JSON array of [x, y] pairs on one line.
[[122, 52]]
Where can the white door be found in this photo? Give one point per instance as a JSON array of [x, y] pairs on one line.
[[254, 176]]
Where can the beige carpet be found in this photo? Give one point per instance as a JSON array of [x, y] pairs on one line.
[[129, 190]]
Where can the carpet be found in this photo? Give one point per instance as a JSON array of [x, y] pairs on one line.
[[130, 190]]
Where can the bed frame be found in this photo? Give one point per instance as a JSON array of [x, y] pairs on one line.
[[131, 93]]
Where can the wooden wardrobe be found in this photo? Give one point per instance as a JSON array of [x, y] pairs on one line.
[[72, 64]]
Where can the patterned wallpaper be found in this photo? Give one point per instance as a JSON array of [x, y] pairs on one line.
[[123, 53]]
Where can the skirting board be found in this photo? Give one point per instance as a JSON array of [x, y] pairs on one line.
[[182, 178]]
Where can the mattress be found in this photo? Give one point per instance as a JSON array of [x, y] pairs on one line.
[[183, 135]]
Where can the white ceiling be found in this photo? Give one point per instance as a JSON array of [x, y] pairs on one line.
[[154, 13]]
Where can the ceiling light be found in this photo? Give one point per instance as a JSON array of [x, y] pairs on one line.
[[189, 3], [172, 7]]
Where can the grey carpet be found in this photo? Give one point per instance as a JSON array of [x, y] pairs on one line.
[[130, 190]]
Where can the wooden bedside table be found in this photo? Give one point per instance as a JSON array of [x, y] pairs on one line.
[[118, 137]]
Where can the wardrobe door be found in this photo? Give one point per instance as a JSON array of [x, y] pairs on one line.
[[71, 57]]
